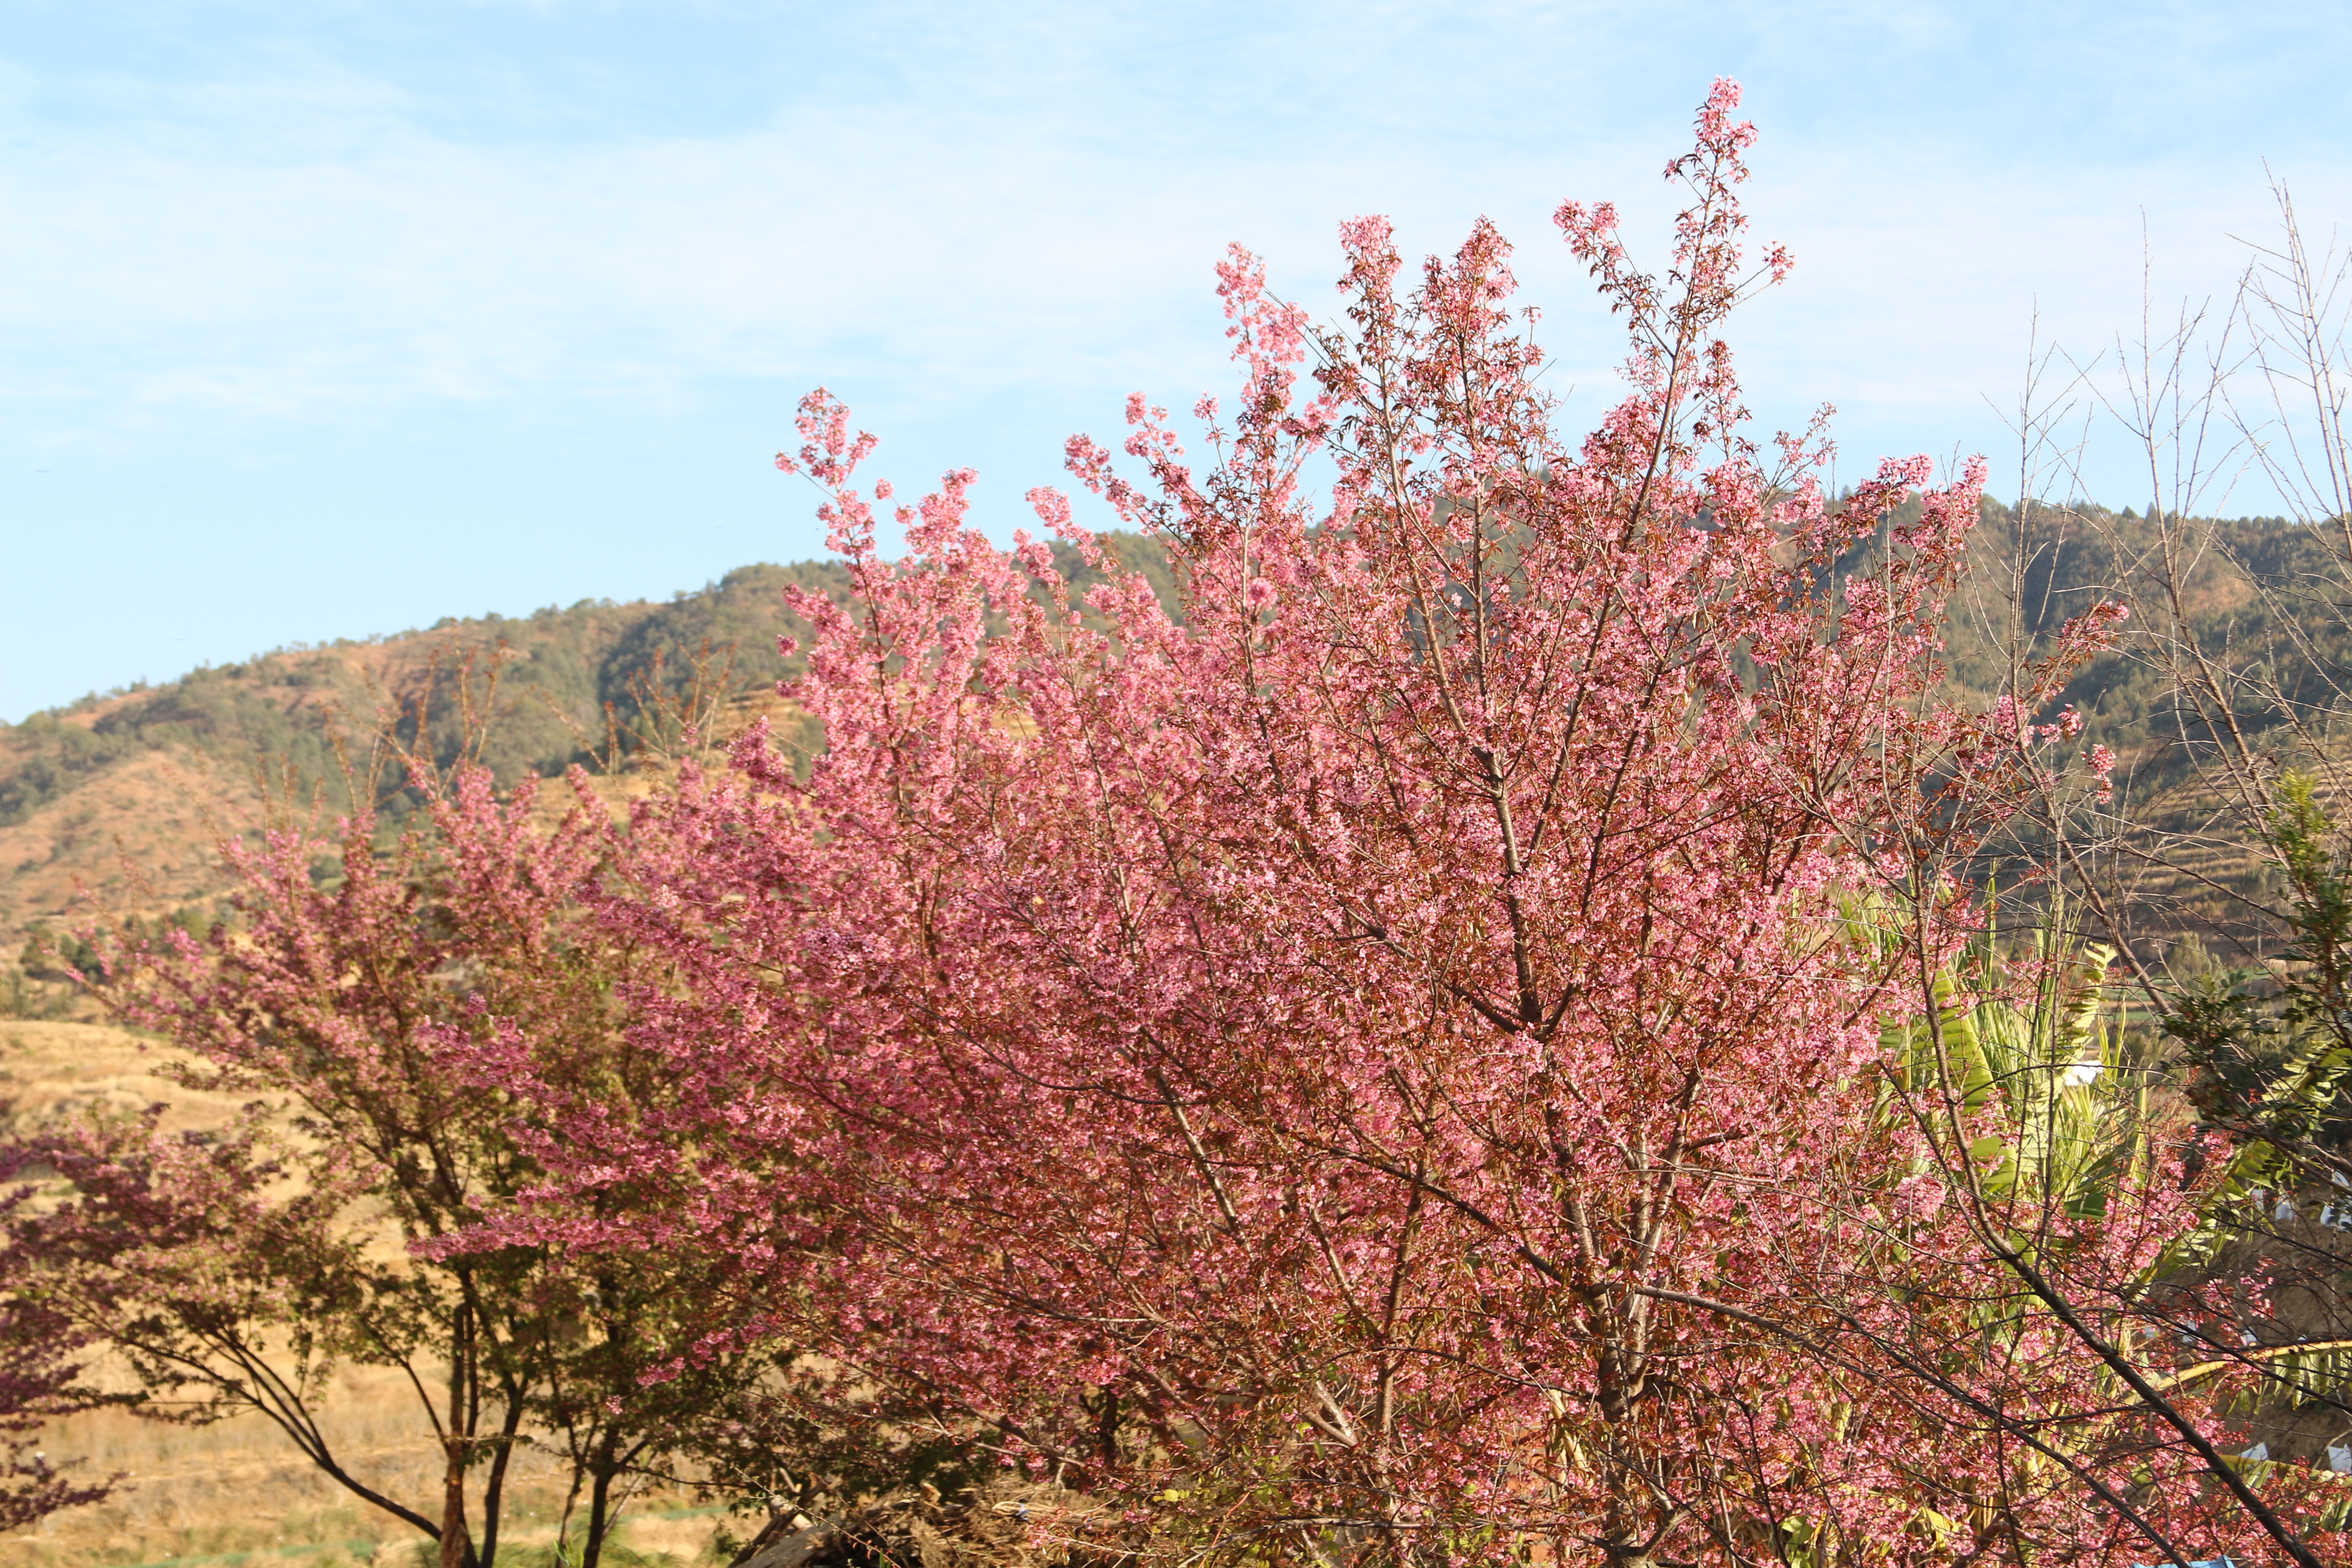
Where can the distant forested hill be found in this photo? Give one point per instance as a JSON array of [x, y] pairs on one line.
[[2073, 559], [120, 796], [2259, 603]]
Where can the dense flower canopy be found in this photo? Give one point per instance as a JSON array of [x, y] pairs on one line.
[[1390, 1051]]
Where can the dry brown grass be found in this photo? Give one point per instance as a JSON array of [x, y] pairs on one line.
[[48, 1070], [236, 1491], [159, 811]]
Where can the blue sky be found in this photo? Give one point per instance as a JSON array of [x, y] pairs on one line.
[[329, 318]]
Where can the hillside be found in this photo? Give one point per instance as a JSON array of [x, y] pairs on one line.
[[2261, 602], [115, 803], [146, 779]]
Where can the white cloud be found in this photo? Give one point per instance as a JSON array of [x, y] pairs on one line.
[[528, 287], [985, 203]]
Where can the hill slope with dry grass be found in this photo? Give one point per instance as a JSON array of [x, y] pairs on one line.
[[113, 806]]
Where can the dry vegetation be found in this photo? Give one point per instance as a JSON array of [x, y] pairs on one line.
[[145, 811], [234, 1491]]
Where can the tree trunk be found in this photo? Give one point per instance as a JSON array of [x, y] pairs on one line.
[[598, 1499], [456, 1542], [494, 1489]]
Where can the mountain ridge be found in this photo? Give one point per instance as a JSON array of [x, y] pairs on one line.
[[115, 803]]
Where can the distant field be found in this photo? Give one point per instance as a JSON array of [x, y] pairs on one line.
[[234, 1492], [47, 1070]]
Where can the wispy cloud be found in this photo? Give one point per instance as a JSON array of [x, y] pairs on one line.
[[266, 224], [299, 237]]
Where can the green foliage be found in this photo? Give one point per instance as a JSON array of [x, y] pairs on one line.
[[53, 758], [2028, 1038], [2249, 602], [1133, 552], [2271, 1049], [22, 996], [50, 955]]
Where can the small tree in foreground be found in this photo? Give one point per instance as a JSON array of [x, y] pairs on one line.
[[235, 1272]]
